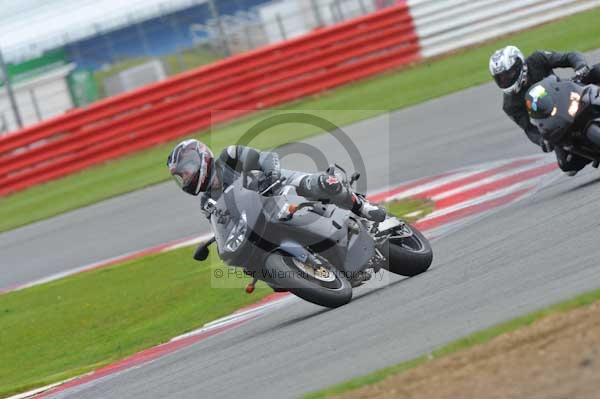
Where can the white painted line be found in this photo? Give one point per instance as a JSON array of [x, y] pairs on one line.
[[464, 173], [190, 242], [414, 214], [389, 188], [37, 391], [411, 192], [482, 198], [489, 180], [114, 260], [236, 317], [58, 276]]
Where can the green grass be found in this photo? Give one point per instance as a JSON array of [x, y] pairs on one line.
[[477, 338], [360, 100], [74, 325], [414, 208], [68, 327]]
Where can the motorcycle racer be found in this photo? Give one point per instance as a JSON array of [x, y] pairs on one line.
[[515, 74], [197, 172]]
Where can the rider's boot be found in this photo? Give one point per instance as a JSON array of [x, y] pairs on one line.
[[570, 164], [367, 210]]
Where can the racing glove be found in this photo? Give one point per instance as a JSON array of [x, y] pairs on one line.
[[269, 163], [582, 73], [272, 176]]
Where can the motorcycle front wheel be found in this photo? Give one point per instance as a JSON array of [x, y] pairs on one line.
[[409, 256], [324, 286]]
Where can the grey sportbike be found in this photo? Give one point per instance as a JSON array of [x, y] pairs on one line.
[[313, 249]]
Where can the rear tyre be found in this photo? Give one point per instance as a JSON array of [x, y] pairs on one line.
[[409, 256], [326, 287]]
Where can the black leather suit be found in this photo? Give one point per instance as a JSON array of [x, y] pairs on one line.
[[540, 65], [314, 186]]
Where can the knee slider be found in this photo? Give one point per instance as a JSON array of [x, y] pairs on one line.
[[331, 184]]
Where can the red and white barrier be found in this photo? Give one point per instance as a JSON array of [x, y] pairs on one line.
[[447, 25]]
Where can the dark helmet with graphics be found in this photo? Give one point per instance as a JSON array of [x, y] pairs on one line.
[[190, 164]]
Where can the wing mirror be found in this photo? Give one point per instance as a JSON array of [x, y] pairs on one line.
[[202, 251]]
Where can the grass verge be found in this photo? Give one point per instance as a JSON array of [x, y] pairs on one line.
[[410, 209], [74, 325], [364, 99], [77, 324], [477, 338]]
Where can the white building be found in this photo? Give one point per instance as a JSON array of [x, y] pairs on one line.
[[29, 27]]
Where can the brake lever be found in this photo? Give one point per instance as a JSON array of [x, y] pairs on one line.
[[355, 176], [272, 186]]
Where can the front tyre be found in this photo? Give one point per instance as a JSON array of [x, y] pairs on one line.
[[409, 256], [324, 286]]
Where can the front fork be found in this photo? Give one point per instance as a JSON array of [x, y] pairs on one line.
[[382, 233]]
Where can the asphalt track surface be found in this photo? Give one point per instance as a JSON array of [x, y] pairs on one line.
[[425, 140], [535, 253], [538, 252]]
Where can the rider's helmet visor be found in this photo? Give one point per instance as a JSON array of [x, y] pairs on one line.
[[186, 170], [508, 78]]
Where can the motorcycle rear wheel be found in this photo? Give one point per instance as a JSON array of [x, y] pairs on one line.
[[409, 256], [330, 290]]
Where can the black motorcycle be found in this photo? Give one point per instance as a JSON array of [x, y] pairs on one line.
[[313, 249], [567, 114]]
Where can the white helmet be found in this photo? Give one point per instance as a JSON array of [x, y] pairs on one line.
[[509, 69]]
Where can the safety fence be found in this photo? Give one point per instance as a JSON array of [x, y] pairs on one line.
[[184, 104]]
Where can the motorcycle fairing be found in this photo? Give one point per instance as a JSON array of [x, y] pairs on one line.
[[554, 127]]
